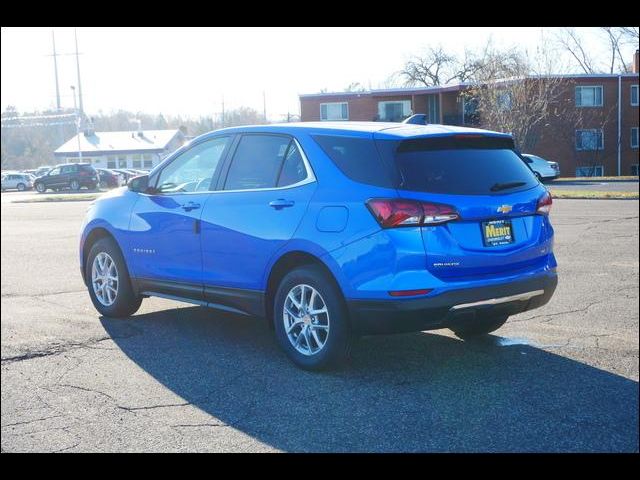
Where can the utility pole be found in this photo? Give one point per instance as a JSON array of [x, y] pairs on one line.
[[75, 107], [222, 111], [75, 32], [264, 105], [55, 69]]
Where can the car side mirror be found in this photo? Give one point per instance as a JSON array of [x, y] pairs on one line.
[[139, 184]]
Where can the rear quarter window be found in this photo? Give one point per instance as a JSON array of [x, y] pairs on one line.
[[357, 158]]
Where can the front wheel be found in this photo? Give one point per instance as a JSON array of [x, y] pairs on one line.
[[311, 320], [21, 187], [75, 185], [108, 279], [479, 326], [41, 188]]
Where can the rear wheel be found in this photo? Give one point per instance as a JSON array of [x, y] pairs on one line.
[[21, 187], [480, 326], [108, 279], [311, 320], [75, 185]]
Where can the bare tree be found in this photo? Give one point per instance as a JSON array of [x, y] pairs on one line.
[[435, 67], [570, 41], [630, 35], [614, 35]]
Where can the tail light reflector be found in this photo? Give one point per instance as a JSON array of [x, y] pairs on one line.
[[396, 212], [410, 293], [544, 204]]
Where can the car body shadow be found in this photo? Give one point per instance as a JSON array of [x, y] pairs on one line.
[[419, 392]]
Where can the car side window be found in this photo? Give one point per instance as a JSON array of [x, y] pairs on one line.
[[293, 169], [193, 170], [54, 171], [257, 162], [67, 169]]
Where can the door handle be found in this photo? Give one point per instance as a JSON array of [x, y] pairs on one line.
[[190, 206], [281, 203]]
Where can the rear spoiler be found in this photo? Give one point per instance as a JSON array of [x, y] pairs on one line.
[[457, 141]]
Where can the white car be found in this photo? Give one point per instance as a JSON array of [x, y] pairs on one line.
[[544, 169], [18, 181]]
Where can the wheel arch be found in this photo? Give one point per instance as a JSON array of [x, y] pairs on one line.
[[287, 262], [96, 234]]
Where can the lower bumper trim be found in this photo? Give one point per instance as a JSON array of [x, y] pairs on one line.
[[496, 301]]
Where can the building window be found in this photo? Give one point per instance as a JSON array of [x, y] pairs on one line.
[[147, 160], [73, 159], [334, 111], [593, 171], [504, 101], [136, 161], [634, 95], [122, 162], [589, 96], [111, 162], [634, 137], [591, 139], [394, 111]]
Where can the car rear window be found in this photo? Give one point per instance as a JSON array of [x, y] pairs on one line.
[[358, 158], [464, 166]]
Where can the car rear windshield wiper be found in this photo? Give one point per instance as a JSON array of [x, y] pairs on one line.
[[505, 186]]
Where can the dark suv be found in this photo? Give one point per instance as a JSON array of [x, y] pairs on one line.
[[68, 175]]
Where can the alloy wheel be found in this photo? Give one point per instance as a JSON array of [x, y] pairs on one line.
[[104, 279], [306, 319]]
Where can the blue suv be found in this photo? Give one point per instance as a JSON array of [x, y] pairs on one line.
[[330, 231]]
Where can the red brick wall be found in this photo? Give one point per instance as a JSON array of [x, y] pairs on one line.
[[557, 140]]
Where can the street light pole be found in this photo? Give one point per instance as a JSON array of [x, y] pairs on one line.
[[75, 108]]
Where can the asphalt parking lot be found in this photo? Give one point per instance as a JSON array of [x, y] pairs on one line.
[[183, 378], [595, 185]]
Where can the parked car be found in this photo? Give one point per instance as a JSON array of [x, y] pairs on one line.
[[544, 169], [109, 178], [42, 170], [330, 231], [17, 181], [68, 175], [126, 174]]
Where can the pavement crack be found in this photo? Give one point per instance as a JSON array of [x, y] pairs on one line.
[[27, 422], [575, 310], [151, 407], [200, 425]]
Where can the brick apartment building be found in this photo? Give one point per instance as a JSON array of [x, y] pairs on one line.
[[608, 108]]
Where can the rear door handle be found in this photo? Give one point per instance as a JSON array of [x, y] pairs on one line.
[[190, 206], [281, 203]]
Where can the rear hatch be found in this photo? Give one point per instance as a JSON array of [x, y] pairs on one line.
[[497, 230]]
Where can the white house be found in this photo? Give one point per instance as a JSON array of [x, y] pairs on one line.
[[143, 149]]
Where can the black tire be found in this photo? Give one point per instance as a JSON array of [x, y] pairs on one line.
[[40, 187], [126, 302], [74, 185], [103, 184], [21, 187], [479, 326], [338, 342]]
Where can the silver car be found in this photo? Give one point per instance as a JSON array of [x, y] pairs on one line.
[[17, 181], [544, 169]]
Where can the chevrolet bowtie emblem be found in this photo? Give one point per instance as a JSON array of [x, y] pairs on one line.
[[505, 208]]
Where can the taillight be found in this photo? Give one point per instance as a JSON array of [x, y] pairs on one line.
[[544, 204], [398, 212]]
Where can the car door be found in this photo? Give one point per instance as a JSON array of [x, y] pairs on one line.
[[164, 232], [262, 196], [52, 178], [67, 173]]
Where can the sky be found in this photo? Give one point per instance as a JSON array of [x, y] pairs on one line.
[[189, 71]]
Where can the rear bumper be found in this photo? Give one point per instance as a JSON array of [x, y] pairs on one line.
[[451, 308]]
